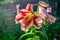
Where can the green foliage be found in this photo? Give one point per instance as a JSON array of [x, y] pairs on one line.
[[36, 13], [29, 39], [34, 34], [36, 38]]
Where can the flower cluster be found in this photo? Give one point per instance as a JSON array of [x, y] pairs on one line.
[[27, 17]]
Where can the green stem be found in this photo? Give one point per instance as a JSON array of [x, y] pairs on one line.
[[25, 35], [34, 34], [33, 30]]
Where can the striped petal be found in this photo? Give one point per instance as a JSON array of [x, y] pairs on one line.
[[25, 26], [39, 19], [36, 24], [41, 9], [29, 7], [51, 18], [42, 15], [18, 18], [42, 12], [23, 10]]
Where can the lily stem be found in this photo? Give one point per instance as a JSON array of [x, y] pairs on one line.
[[34, 34]]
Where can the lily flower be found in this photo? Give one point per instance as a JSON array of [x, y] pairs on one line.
[[27, 17], [43, 13]]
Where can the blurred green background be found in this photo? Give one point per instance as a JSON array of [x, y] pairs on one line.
[[11, 31]]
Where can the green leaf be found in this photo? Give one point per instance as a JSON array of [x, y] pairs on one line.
[[26, 35], [35, 38], [36, 12], [42, 35], [29, 39]]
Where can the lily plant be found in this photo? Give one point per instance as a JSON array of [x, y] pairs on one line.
[[27, 17]]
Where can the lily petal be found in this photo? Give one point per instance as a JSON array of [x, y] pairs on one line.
[[23, 10], [42, 12], [51, 18], [36, 24], [25, 26], [39, 19], [18, 17], [29, 7]]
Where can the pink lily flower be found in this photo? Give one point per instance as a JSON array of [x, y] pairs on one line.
[[43, 13], [27, 17]]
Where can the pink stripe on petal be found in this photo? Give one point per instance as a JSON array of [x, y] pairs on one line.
[[25, 29], [16, 21], [29, 7], [51, 18], [23, 13], [36, 25], [24, 10], [28, 22], [20, 18], [39, 20], [42, 10], [25, 26]]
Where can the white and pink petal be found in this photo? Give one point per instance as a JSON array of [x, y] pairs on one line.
[[29, 7], [26, 26], [51, 18], [36, 24]]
